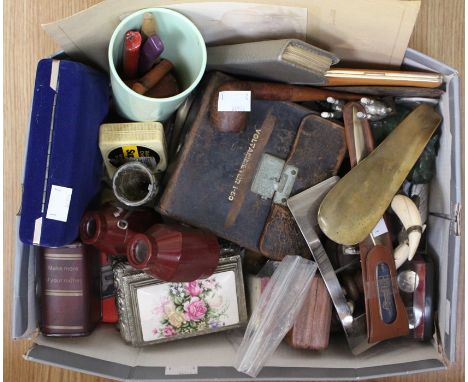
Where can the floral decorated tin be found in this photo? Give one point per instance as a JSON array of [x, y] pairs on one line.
[[152, 311]]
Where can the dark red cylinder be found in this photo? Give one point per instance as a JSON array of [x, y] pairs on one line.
[[174, 253], [110, 228], [131, 54]]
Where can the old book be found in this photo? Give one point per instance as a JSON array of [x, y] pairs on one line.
[[70, 291], [288, 60]]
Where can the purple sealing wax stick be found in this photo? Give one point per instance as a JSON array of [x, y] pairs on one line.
[[151, 50]]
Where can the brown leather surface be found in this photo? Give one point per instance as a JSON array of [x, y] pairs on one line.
[[312, 327], [214, 167], [377, 329], [318, 151], [281, 235], [77, 313]]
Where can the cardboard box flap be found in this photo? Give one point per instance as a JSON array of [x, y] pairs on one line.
[[219, 350], [51, 356], [366, 31]]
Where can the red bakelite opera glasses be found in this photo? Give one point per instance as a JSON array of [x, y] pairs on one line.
[[168, 252]]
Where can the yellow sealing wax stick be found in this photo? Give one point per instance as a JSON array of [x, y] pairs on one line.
[[148, 27]]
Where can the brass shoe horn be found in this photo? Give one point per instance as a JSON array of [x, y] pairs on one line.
[[353, 207]]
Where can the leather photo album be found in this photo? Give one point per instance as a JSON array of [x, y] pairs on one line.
[[236, 184]]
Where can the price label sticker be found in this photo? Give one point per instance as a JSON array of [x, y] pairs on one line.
[[234, 101], [380, 228], [59, 203]]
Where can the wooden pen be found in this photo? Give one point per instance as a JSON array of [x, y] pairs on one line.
[[358, 77]]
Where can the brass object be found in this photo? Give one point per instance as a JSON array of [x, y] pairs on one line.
[[355, 204]]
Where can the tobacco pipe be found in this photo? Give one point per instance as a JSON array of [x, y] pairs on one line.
[[235, 121]]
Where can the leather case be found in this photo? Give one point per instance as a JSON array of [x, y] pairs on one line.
[[236, 184], [287, 60], [63, 164], [70, 291]]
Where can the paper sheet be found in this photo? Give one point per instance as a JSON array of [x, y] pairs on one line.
[[365, 31]]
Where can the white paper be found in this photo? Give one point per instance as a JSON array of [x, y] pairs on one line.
[[59, 203], [234, 100], [380, 228], [86, 35], [229, 23], [172, 309]]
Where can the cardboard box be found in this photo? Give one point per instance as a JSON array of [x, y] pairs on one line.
[[211, 357]]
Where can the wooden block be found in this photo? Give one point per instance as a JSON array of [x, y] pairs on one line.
[[312, 327]]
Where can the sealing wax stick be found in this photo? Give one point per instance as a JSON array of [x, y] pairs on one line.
[[148, 27], [152, 77], [131, 54], [150, 52], [166, 87]]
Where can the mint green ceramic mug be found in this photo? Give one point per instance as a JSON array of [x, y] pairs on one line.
[[183, 46]]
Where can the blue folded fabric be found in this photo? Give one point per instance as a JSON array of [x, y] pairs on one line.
[[63, 163]]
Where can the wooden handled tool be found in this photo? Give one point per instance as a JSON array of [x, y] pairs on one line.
[[385, 312], [235, 121]]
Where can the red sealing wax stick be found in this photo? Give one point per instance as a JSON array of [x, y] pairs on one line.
[[174, 253], [131, 54]]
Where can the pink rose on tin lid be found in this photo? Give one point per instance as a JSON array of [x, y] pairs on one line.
[[168, 331], [193, 288], [195, 309]]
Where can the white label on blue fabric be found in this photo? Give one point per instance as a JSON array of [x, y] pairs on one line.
[[37, 231], [59, 203], [54, 73]]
